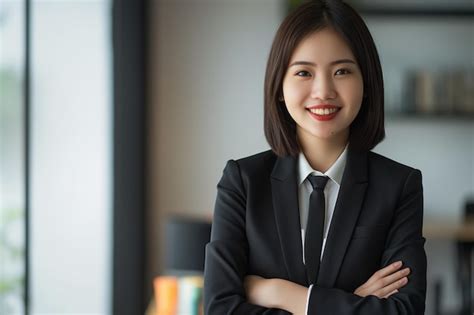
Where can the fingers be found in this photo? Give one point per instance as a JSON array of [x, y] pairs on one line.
[[385, 282], [395, 276], [385, 271], [390, 282], [387, 290], [388, 295]]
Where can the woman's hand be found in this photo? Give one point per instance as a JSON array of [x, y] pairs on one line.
[[385, 281], [260, 291], [289, 296], [276, 293]]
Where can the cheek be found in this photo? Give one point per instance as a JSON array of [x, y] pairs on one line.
[[294, 99], [353, 96], [292, 89], [288, 91]]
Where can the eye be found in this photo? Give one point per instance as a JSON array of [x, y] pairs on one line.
[[343, 71], [303, 73]]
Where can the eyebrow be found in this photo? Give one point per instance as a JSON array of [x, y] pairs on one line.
[[308, 63]]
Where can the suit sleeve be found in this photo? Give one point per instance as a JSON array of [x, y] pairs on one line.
[[404, 242], [227, 253]]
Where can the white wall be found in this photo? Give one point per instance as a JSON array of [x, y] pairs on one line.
[[208, 61], [442, 148], [70, 239]]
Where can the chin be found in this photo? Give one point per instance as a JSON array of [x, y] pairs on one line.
[[324, 135]]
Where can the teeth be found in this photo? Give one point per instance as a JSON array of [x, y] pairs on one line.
[[325, 111]]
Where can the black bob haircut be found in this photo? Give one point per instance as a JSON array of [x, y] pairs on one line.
[[367, 129]]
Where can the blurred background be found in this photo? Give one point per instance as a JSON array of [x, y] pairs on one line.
[[118, 116]]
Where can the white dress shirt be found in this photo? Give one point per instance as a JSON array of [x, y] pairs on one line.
[[331, 192]]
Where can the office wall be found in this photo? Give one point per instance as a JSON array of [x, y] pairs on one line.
[[207, 68], [206, 96], [441, 147]]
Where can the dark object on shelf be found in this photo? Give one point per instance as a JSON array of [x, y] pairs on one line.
[[394, 9], [470, 209], [416, 12], [438, 295], [185, 242], [418, 9]]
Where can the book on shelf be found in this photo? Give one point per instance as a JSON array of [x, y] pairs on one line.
[[166, 295], [178, 295], [449, 91]]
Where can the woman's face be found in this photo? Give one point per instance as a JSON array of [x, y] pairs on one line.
[[323, 86]]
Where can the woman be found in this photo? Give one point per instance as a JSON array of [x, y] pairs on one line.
[[319, 224]]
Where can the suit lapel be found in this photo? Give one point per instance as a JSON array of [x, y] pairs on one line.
[[285, 204], [346, 212]]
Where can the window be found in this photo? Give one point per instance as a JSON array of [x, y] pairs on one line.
[[12, 160]]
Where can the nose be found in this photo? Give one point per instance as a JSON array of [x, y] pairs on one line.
[[323, 88]]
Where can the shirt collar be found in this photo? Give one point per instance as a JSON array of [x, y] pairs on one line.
[[335, 172]]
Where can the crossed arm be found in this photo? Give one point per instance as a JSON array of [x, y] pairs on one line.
[[292, 297], [229, 289]]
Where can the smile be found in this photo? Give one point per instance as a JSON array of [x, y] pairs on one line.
[[323, 114], [323, 111]]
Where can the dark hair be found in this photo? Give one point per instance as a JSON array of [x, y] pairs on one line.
[[367, 129]]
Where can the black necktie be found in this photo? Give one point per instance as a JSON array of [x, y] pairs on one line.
[[315, 227]]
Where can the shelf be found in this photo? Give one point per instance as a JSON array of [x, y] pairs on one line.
[[415, 12], [458, 117], [442, 230]]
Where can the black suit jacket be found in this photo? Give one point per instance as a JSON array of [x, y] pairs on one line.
[[256, 231]]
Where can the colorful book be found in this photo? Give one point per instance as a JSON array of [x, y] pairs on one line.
[[166, 294], [179, 295], [190, 295]]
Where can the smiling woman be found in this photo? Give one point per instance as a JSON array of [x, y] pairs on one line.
[[319, 224], [323, 88]]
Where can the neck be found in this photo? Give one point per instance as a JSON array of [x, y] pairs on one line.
[[321, 153]]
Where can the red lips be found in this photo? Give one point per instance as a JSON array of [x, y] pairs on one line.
[[323, 117]]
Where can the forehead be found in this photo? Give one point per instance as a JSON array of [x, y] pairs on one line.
[[322, 46]]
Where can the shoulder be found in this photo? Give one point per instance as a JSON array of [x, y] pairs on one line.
[[258, 163], [390, 169], [254, 166], [379, 160], [257, 160]]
